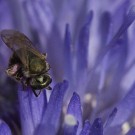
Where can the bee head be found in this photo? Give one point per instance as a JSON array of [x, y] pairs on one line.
[[41, 81]]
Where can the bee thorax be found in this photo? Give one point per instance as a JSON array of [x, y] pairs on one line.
[[36, 65]]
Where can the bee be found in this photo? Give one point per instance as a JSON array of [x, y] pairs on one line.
[[26, 65]]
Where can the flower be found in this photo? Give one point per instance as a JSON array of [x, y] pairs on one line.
[[98, 89]]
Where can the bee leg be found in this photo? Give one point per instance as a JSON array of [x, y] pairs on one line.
[[36, 94], [48, 88], [39, 92]]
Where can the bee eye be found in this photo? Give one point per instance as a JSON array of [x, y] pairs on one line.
[[40, 79]]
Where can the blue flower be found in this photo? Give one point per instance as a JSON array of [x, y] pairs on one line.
[[89, 44]]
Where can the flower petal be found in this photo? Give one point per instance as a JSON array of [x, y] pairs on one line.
[[6, 15], [70, 130], [86, 128], [111, 118], [82, 48], [67, 53], [50, 120], [41, 14], [130, 17], [104, 26], [4, 128], [31, 109], [70, 125], [74, 108], [97, 127]]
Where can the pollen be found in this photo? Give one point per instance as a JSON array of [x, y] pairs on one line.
[[70, 120], [89, 98], [125, 128]]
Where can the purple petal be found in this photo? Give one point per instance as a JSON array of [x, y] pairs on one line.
[[105, 22], [18, 18], [111, 118], [131, 132], [130, 17], [31, 109], [50, 120], [4, 128], [6, 15], [6, 22], [74, 108], [97, 127], [126, 106], [70, 130], [41, 10], [70, 13], [28, 8], [67, 52], [82, 48], [55, 50], [86, 128], [67, 42]]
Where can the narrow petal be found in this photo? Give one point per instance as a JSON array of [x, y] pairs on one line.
[[4, 128], [18, 18], [104, 26], [31, 109], [70, 125], [70, 12], [70, 130], [83, 41], [110, 118], [37, 105], [97, 127], [74, 108], [50, 120], [6, 15], [130, 17], [7, 21], [41, 10], [67, 52], [86, 128]]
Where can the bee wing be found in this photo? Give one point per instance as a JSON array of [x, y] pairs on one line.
[[16, 40]]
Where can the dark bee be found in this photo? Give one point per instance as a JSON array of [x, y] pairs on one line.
[[26, 65]]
